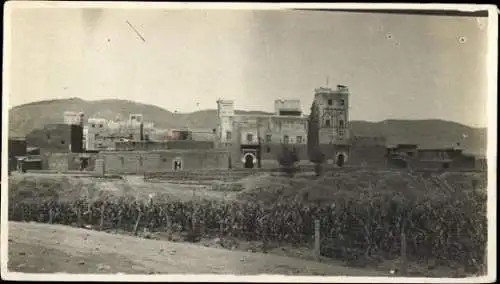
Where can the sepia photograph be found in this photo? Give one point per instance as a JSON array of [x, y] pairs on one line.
[[249, 142]]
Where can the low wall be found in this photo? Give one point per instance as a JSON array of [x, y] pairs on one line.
[[138, 162], [66, 161]]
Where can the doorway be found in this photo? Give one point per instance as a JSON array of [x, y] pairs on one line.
[[249, 161], [177, 165], [340, 160], [84, 163]]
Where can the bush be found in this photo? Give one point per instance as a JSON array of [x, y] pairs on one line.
[[288, 159]]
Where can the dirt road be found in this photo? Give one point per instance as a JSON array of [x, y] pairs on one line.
[[43, 248]]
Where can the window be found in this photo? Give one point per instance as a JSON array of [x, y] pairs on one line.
[[286, 139], [341, 128], [268, 138], [122, 160], [97, 135], [63, 142], [48, 136], [330, 102], [299, 139], [268, 149], [249, 137], [342, 102], [327, 123], [228, 135], [410, 154], [93, 125], [100, 125]]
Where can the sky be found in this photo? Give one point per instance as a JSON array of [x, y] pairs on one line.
[[396, 66]]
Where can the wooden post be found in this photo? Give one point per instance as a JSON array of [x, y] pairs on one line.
[[119, 223], [404, 264], [317, 249], [89, 207], [78, 217], [51, 216], [137, 223], [101, 223], [169, 227]]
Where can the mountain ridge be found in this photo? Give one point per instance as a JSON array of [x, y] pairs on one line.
[[429, 133]]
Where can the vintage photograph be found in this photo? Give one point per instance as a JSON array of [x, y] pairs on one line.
[[297, 141]]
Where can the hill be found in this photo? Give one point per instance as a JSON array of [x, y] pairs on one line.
[[427, 133]]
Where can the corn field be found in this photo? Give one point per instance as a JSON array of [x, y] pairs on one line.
[[452, 229]]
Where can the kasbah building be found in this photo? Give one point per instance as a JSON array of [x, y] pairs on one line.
[[238, 141], [257, 140]]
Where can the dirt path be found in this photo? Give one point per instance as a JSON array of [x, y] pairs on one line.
[[42, 248]]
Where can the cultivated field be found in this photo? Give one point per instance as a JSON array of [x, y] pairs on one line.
[[362, 213]]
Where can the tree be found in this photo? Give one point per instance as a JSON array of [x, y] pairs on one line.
[[288, 159], [316, 156]]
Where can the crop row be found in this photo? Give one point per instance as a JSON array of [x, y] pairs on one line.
[[450, 230]]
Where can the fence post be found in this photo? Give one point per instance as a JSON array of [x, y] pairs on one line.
[[317, 250], [404, 263], [101, 223], [169, 227], [51, 216], [137, 223], [78, 217]]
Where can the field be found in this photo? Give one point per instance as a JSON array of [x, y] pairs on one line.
[[363, 214]]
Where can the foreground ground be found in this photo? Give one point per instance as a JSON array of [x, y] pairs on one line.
[[43, 248]]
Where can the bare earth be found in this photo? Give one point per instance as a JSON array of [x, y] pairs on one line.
[[44, 248]]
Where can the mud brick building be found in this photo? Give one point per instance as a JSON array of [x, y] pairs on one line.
[[57, 138], [256, 141], [411, 156]]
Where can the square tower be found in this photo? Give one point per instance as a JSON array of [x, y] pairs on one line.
[[225, 115], [333, 109]]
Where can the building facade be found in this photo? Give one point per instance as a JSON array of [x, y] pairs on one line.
[[334, 128], [57, 138], [256, 140], [102, 134]]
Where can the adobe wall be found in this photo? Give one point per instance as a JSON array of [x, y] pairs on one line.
[[463, 162], [57, 138], [190, 144], [140, 162], [66, 161], [141, 146]]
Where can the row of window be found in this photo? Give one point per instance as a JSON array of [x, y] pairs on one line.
[[328, 123], [268, 139], [330, 102]]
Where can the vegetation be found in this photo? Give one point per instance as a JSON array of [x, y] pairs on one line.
[[442, 226], [288, 159], [314, 151]]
